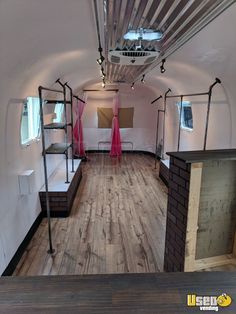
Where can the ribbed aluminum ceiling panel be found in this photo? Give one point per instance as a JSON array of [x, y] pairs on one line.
[[176, 19]]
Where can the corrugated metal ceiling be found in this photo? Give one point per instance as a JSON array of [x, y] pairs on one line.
[[178, 20]]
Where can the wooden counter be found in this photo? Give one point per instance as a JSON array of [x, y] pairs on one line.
[[157, 293], [201, 210], [201, 156]]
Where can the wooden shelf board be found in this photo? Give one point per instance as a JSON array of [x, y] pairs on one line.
[[51, 126], [58, 148]]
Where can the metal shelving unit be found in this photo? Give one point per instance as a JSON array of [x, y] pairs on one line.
[[55, 148], [59, 148]]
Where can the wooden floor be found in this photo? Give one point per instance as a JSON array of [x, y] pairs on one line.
[[117, 224]]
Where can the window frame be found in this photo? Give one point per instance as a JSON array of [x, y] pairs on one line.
[[62, 112], [185, 103], [32, 139]]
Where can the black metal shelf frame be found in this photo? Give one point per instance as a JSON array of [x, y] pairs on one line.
[[166, 96], [56, 148]]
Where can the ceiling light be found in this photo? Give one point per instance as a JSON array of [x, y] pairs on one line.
[[162, 68], [143, 34], [143, 79]]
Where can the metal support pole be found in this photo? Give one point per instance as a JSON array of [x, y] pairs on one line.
[[101, 90], [66, 134], [51, 250], [79, 98], [157, 128], [164, 122], [180, 118], [157, 135], [66, 142], [67, 168], [79, 125], [188, 95], [72, 126], [156, 99], [217, 81], [51, 90], [156, 139]]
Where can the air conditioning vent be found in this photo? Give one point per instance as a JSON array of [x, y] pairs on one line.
[[115, 59], [132, 57], [150, 60], [135, 54]]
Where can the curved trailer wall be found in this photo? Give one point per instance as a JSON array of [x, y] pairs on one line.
[[37, 49]]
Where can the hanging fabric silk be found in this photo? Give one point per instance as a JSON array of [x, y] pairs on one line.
[[115, 133], [78, 128]]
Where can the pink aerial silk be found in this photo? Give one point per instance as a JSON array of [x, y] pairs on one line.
[[115, 133], [78, 129]]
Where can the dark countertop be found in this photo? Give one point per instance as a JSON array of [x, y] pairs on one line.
[[199, 155], [157, 293]]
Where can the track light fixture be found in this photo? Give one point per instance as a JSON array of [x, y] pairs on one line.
[[132, 86], [143, 79], [103, 73], [100, 60], [162, 68]]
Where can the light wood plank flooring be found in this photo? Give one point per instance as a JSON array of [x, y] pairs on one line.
[[117, 224]]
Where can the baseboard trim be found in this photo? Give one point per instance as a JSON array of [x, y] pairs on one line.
[[21, 249]]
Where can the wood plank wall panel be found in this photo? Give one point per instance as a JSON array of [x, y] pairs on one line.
[[217, 211]]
